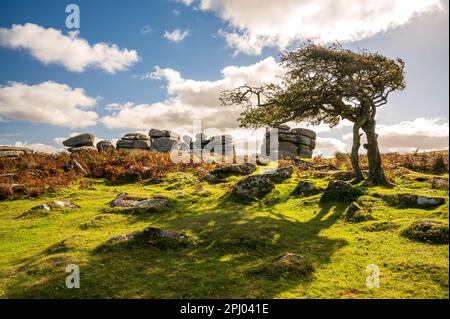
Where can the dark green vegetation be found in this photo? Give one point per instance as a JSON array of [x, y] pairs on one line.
[[276, 246]]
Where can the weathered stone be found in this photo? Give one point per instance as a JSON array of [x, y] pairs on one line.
[[135, 136], [158, 133], [305, 188], [305, 132], [307, 141], [340, 191], [133, 144], [287, 147], [80, 140], [253, 186], [411, 200], [13, 151], [234, 170], [123, 200], [105, 146], [428, 231], [163, 144], [82, 149], [11, 154], [154, 232], [280, 174], [73, 164], [55, 204]]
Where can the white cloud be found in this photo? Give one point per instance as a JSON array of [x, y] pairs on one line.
[[38, 147], [176, 35], [192, 100], [422, 134], [47, 102], [327, 147], [74, 53], [255, 24]]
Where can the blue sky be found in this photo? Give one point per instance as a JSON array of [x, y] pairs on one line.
[[190, 69]]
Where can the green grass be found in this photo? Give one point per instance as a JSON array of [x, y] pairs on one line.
[[232, 248]]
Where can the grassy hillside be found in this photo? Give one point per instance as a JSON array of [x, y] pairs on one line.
[[233, 247]]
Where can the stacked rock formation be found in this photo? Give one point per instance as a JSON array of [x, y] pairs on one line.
[[13, 151], [216, 145], [80, 142], [163, 140], [134, 141], [292, 143]]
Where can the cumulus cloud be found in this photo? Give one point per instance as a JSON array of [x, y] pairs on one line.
[[39, 147], [255, 24], [49, 45], [47, 102], [176, 35], [327, 147], [422, 134], [190, 100]]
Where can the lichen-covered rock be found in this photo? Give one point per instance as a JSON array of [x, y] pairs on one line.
[[123, 200], [356, 214], [164, 144], [13, 151], [80, 140], [280, 174], [133, 144], [73, 164], [428, 231], [135, 136], [411, 200], [253, 186], [233, 170], [340, 191], [305, 188], [55, 204], [78, 149], [105, 146]]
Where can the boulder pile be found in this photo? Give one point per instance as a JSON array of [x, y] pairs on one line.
[[13, 151], [134, 141], [216, 145], [80, 142], [292, 143], [163, 140], [105, 146]]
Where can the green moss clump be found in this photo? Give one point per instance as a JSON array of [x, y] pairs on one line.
[[427, 231], [287, 265]]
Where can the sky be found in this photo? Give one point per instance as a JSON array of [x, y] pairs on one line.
[[135, 65]]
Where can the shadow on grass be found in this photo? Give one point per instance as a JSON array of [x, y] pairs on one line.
[[231, 254]]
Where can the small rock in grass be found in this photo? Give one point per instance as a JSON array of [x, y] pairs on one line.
[[428, 231], [305, 188], [219, 174], [123, 200], [340, 191], [356, 214], [253, 186], [411, 200], [280, 174]]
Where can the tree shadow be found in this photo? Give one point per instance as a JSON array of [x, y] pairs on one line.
[[231, 254]]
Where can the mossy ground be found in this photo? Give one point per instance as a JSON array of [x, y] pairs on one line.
[[232, 244]]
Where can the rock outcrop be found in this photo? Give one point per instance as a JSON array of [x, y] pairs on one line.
[[292, 143], [80, 140], [163, 140], [219, 174], [105, 146], [13, 151], [134, 141], [123, 200], [221, 145]]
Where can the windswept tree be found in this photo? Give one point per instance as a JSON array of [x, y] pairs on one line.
[[326, 84]]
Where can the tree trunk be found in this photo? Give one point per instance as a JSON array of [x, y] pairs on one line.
[[355, 153], [376, 171]]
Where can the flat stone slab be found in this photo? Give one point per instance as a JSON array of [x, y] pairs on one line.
[[124, 200]]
